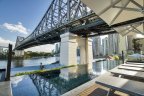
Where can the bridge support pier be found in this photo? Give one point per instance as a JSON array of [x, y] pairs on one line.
[[68, 51], [19, 53]]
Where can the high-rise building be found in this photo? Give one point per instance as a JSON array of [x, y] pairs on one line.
[[105, 46], [111, 44], [116, 44], [57, 47], [1, 50], [113, 40], [122, 44], [96, 46], [130, 42]]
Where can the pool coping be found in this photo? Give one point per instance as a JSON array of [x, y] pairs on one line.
[[5, 88], [81, 88]]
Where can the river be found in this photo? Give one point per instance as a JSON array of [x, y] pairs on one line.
[[28, 62]]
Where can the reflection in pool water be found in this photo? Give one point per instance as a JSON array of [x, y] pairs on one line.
[[103, 66], [68, 79]]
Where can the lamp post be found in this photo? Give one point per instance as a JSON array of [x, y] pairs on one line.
[[123, 57], [9, 62]]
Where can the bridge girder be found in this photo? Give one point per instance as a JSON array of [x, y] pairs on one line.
[[62, 15]]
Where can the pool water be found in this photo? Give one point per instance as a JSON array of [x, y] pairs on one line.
[[68, 79]]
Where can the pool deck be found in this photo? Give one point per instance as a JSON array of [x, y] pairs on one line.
[[91, 89], [97, 90], [32, 68], [5, 88]]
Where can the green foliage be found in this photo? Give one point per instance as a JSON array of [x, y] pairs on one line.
[[130, 52], [116, 57], [42, 71], [136, 45], [30, 54], [3, 56]]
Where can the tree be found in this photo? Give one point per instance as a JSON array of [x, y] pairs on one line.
[[136, 45]]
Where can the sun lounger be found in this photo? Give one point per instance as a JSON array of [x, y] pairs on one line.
[[130, 73], [132, 65], [135, 63], [130, 87], [131, 68]]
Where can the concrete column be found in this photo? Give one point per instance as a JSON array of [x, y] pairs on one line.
[[68, 50], [81, 43], [122, 44], [89, 54], [19, 53]]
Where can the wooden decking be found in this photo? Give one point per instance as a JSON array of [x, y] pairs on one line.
[[97, 90], [91, 89]]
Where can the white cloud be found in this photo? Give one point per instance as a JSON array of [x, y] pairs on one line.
[[42, 48], [16, 27], [5, 42]]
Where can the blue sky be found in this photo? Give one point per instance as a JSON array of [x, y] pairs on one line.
[[20, 17]]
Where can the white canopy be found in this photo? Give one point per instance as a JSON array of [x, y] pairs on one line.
[[117, 11]]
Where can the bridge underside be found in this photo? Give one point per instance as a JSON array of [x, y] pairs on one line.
[[82, 27], [123, 16], [66, 16]]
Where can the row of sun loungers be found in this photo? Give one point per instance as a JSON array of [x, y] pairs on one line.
[[127, 78]]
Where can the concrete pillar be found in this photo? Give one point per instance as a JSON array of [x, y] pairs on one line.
[[68, 49], [122, 44], [19, 53], [89, 54], [86, 53], [81, 43]]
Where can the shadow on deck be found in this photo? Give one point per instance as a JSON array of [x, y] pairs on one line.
[[97, 90]]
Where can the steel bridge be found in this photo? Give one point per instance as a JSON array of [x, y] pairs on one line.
[[64, 16]]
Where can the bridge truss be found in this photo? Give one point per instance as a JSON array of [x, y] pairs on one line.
[[64, 16]]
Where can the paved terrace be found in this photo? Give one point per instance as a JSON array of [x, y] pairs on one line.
[[5, 88], [91, 89]]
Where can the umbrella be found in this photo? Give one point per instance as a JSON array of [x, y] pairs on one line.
[[125, 16]]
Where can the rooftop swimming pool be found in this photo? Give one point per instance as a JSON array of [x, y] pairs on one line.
[[56, 85]]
